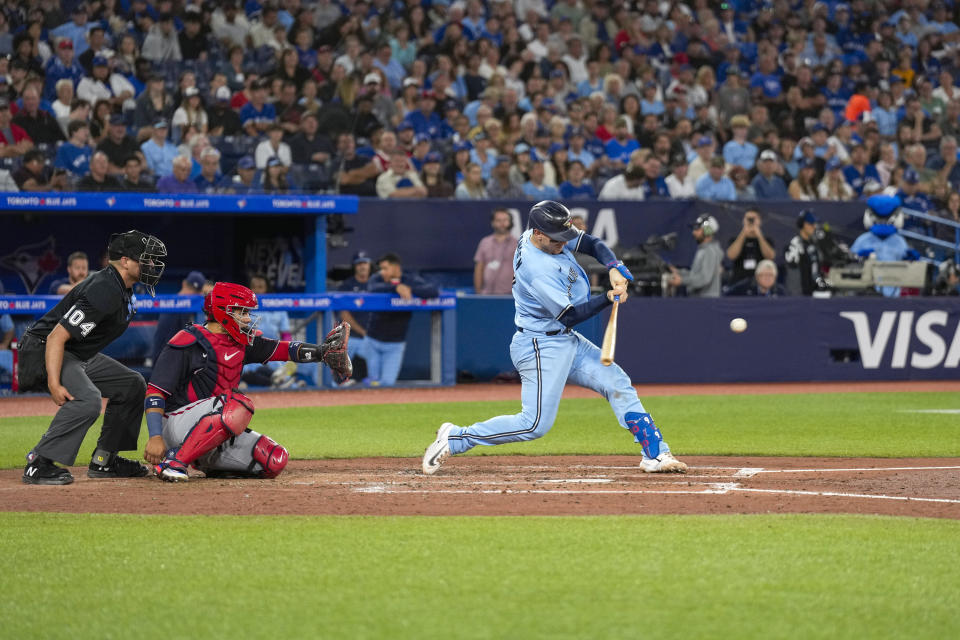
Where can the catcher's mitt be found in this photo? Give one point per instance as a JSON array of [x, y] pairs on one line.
[[333, 351]]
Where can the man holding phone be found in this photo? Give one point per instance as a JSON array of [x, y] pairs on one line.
[[749, 247]]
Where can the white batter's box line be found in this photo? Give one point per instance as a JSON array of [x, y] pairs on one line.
[[835, 494], [747, 472]]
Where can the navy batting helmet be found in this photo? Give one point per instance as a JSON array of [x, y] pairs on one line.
[[553, 219]]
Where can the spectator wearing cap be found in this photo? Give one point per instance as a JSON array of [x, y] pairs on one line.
[[738, 150], [433, 179], [14, 141], [621, 145], [158, 151], [133, 178], [257, 115], [168, 324], [117, 145], [702, 279], [834, 186], [34, 175], [803, 259], [276, 179], [246, 179], [382, 105], [577, 151], [421, 147], [483, 155], [650, 102], [74, 31], [409, 98], [859, 170], [457, 167], [308, 146], [221, 119], [700, 161], [179, 180], [679, 183], [425, 119], [78, 268], [804, 186], [99, 178], [273, 147], [575, 187], [536, 188], [153, 105], [625, 186], [767, 185], [400, 180], [471, 187], [190, 114], [714, 185], [500, 186], [914, 197], [62, 65], [161, 43], [74, 154]]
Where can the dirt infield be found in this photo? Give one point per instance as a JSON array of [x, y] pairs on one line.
[[520, 485]]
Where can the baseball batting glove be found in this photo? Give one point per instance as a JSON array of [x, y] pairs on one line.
[[622, 268]]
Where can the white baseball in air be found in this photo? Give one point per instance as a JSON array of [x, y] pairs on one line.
[[738, 325]]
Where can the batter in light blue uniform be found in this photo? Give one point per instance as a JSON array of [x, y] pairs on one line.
[[552, 294]]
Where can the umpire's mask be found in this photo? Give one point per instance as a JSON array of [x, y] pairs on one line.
[[145, 249]]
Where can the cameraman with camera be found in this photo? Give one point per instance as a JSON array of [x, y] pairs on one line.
[[702, 279], [749, 247]]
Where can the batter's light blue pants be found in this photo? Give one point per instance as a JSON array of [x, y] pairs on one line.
[[546, 364]]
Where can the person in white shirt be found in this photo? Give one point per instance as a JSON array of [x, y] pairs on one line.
[[227, 23], [576, 60], [273, 146], [679, 182], [626, 186], [61, 106]]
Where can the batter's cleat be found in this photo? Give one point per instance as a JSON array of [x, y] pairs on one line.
[[172, 470], [43, 471], [437, 453], [664, 463], [118, 467]]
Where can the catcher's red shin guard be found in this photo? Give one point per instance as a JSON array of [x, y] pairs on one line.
[[214, 429], [271, 456]]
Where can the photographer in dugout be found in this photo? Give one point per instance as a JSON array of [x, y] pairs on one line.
[[61, 353]]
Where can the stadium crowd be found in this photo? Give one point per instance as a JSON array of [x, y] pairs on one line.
[[532, 99]]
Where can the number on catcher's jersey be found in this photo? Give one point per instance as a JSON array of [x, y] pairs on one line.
[[75, 318]]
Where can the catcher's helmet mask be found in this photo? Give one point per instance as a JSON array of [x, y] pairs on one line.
[[227, 304], [553, 220]]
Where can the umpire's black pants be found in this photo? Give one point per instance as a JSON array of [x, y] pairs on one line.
[[88, 382]]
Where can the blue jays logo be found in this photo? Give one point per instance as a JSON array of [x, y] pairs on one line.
[[33, 262], [572, 275]]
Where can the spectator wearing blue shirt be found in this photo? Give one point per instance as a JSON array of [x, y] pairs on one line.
[[594, 81], [392, 69], [859, 171], [535, 189], [483, 155], [179, 181], [257, 115], [74, 155], [767, 185], [885, 115], [63, 65], [426, 120], [713, 185], [574, 188], [75, 31], [653, 185], [738, 150], [621, 145], [836, 95], [765, 84], [577, 151], [158, 151], [650, 104]]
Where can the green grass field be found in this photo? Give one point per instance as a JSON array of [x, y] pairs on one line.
[[110, 576]]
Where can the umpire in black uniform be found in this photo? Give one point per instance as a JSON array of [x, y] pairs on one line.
[[61, 352]]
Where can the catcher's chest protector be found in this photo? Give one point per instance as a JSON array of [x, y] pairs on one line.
[[219, 366]]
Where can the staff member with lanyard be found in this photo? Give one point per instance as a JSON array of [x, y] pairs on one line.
[[61, 352]]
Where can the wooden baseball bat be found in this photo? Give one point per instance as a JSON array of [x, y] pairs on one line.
[[610, 336]]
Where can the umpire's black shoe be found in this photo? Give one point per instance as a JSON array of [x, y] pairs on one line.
[[117, 467], [43, 471]]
